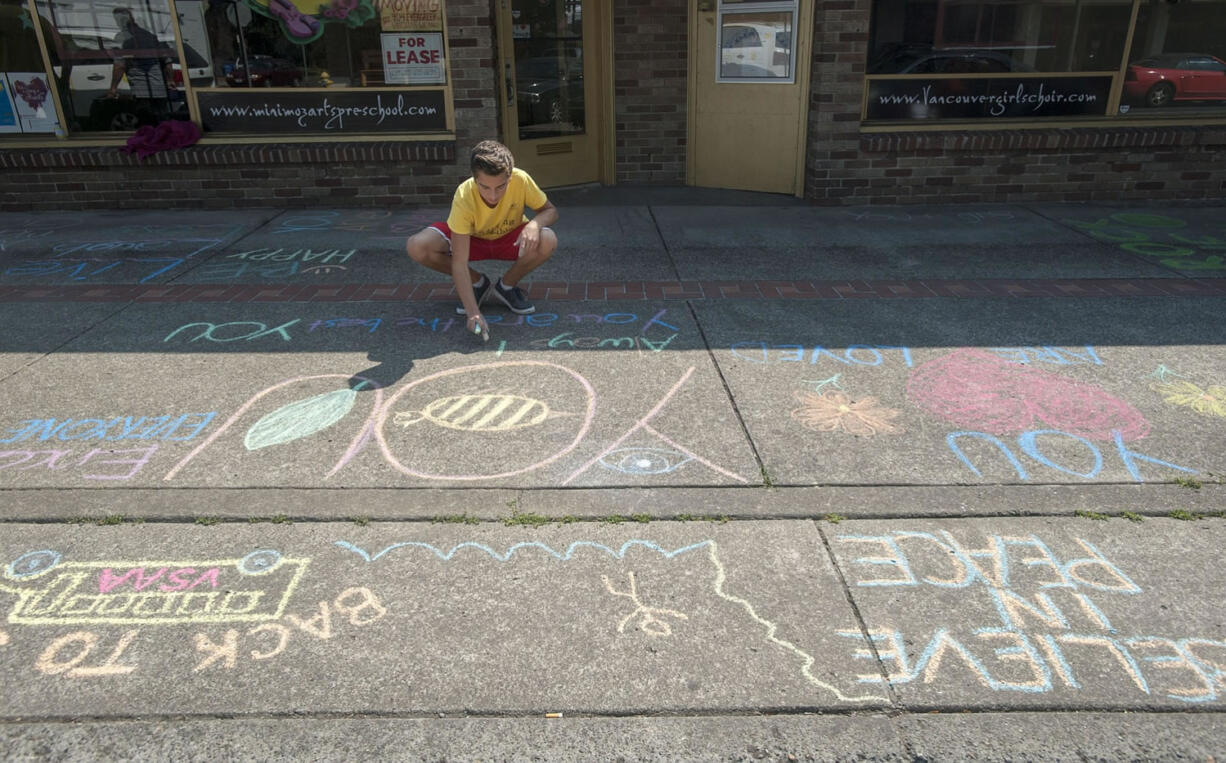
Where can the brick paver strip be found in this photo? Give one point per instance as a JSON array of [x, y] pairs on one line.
[[577, 291]]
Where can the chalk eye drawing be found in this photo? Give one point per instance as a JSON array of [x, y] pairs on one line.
[[835, 411], [482, 412], [644, 461], [31, 565], [256, 587], [260, 562], [299, 419], [980, 391], [324, 268], [649, 623], [1210, 401]]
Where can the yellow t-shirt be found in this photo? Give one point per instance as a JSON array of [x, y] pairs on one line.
[[470, 215]]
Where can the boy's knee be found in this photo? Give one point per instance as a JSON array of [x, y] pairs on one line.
[[420, 246], [549, 241]]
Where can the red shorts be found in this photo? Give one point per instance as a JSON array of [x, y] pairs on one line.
[[502, 248]]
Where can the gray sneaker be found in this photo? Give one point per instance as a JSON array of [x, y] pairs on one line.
[[480, 292], [513, 297]]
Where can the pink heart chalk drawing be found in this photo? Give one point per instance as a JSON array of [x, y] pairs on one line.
[[979, 391]]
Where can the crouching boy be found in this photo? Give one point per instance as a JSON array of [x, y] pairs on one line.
[[487, 222]]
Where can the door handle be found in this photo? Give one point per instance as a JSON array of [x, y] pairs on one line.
[[510, 86]]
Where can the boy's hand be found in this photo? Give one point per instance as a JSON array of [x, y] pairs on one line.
[[529, 237], [478, 321]]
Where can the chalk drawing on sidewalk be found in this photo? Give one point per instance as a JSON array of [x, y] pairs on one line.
[[468, 426], [481, 412], [642, 424], [1042, 625], [644, 460], [1180, 392], [718, 583], [835, 411], [649, 623], [291, 426], [1160, 236], [980, 391], [301, 418], [252, 588]]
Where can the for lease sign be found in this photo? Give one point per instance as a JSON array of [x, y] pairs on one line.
[[413, 58]]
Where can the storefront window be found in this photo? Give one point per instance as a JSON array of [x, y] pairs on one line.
[[26, 101], [1177, 64], [961, 60], [995, 36], [755, 44]]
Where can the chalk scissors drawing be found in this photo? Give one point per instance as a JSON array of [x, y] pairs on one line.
[[718, 586]]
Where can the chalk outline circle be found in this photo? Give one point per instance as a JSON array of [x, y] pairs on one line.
[[241, 564], [9, 571], [583, 430]]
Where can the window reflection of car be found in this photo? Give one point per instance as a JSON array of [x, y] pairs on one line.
[[549, 91], [754, 50], [266, 71], [1159, 80], [90, 58], [948, 62]]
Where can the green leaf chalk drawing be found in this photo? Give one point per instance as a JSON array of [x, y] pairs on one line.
[[302, 418]]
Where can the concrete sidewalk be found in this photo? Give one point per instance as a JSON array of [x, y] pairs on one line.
[[758, 480]]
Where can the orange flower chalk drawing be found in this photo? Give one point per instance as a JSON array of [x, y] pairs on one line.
[[834, 410]]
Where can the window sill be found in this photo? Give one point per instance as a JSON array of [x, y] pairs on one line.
[[1082, 137], [215, 151]]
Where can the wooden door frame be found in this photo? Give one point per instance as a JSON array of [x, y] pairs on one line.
[[803, 40], [603, 125]]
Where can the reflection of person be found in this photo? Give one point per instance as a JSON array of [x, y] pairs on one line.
[[145, 61], [487, 222]]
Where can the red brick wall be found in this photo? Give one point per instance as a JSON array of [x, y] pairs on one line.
[[649, 90], [1105, 163]]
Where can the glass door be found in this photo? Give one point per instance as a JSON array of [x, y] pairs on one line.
[[551, 99]]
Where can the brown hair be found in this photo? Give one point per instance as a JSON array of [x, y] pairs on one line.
[[491, 158]]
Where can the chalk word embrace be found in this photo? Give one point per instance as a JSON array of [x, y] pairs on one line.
[[182, 427]]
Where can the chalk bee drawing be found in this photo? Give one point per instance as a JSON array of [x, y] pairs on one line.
[[482, 412]]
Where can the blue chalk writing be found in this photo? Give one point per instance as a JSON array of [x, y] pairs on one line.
[[1029, 445], [183, 427]]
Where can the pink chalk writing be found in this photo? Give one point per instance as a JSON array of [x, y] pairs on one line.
[[181, 579]]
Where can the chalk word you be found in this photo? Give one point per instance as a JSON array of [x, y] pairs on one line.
[[1049, 630], [50, 591]]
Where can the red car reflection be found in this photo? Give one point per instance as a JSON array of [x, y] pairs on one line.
[[266, 71], [1158, 80]]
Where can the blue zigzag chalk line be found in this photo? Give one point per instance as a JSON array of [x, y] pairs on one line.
[[563, 557]]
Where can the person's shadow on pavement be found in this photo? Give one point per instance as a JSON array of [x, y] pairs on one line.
[[388, 370]]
